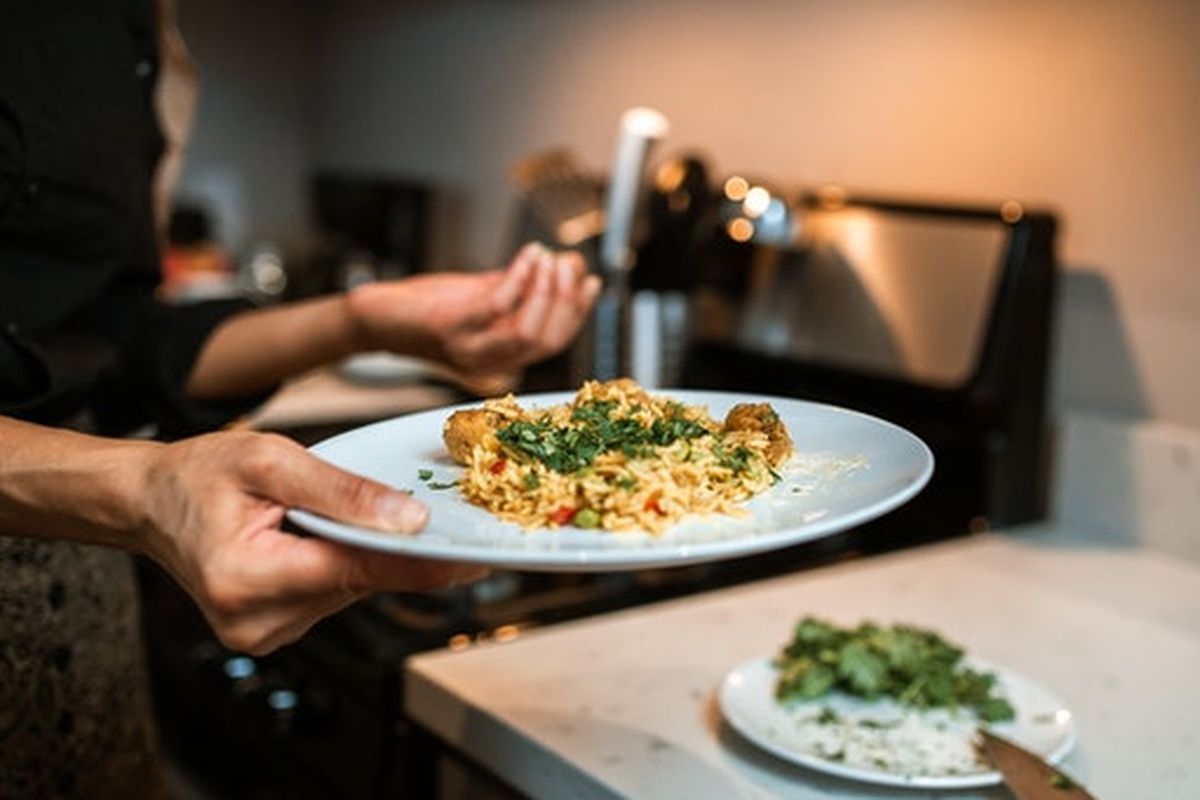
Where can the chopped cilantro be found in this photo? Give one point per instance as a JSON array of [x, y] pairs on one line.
[[424, 474], [627, 483], [916, 667], [1061, 781], [736, 461], [530, 480], [828, 716], [437, 487], [594, 430]]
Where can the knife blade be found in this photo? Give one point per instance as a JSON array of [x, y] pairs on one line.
[[1028, 775]]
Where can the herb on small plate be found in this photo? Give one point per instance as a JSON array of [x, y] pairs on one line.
[[424, 474], [828, 716], [916, 667]]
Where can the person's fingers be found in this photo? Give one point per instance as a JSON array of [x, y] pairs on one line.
[[531, 316], [592, 286], [322, 592], [280, 470], [517, 278], [386, 572], [568, 307]]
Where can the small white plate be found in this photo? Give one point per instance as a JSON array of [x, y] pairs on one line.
[[849, 468], [382, 367], [1043, 725]]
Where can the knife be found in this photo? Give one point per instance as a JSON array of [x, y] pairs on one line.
[[1027, 775]]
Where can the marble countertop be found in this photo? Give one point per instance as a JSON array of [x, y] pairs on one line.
[[624, 705]]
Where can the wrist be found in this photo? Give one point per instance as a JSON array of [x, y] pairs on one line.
[[385, 316], [355, 305], [60, 484], [135, 465], [359, 335], [115, 502]]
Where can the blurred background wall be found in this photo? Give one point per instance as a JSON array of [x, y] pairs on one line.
[[252, 146], [1090, 108]]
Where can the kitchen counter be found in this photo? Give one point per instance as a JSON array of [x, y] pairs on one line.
[[624, 705], [326, 396]]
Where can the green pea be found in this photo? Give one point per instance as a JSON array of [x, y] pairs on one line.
[[586, 518]]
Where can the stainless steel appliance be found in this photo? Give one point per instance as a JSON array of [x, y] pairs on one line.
[[934, 316]]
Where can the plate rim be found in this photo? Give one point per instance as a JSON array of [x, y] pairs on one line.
[[613, 559], [878, 777]]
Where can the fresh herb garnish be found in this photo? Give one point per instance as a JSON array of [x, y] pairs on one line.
[[530, 480], [916, 667], [1061, 781], [828, 716], [626, 483], [594, 430], [736, 461], [426, 474]]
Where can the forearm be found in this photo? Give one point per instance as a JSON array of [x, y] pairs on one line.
[[64, 485], [255, 350]]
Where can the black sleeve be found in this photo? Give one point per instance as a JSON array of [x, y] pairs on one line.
[[25, 382], [156, 356]]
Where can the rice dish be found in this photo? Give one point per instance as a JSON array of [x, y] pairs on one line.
[[614, 458]]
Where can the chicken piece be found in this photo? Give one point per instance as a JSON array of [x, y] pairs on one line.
[[760, 417], [466, 429]]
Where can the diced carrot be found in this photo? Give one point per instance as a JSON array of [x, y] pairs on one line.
[[562, 515], [652, 503], [498, 466]]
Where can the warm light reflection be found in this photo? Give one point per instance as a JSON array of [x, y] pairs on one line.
[[756, 202], [669, 176], [506, 633], [740, 229], [574, 230], [736, 188], [831, 197], [459, 641], [1011, 211]]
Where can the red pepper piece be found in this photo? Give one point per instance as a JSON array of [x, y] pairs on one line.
[[562, 515]]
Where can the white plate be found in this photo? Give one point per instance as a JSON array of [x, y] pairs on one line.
[[849, 468], [381, 367], [1043, 724]]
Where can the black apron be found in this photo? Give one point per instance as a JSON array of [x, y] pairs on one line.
[[82, 337]]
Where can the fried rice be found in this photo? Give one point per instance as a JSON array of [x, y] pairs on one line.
[[614, 458]]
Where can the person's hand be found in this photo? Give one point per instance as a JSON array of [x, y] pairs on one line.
[[212, 508], [490, 322]]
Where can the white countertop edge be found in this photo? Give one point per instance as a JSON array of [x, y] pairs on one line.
[[517, 759]]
